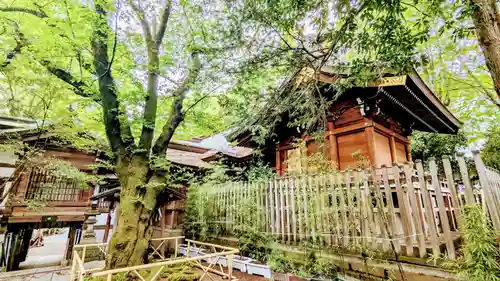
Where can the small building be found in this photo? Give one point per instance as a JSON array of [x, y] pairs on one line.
[[34, 197], [372, 123]]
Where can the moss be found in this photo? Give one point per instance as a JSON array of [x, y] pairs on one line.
[[176, 272], [180, 272]]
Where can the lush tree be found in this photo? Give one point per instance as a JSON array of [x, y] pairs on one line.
[[470, 17], [130, 65], [426, 145], [491, 150]]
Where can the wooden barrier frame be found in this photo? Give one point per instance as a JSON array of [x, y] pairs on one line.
[[78, 272]]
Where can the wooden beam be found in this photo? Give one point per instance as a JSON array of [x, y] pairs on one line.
[[350, 128], [332, 139], [162, 225], [408, 151], [390, 133], [370, 141], [108, 223], [70, 243], [393, 149], [278, 160]]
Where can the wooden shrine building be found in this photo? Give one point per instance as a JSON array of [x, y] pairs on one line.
[[373, 123], [33, 197]]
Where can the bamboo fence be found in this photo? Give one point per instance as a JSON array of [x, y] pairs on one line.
[[404, 207]]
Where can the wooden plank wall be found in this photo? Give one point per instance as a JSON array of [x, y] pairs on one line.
[[357, 208]]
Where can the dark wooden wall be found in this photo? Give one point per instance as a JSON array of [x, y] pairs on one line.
[[353, 140]]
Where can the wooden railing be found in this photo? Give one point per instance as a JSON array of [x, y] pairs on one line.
[[78, 271], [403, 205]]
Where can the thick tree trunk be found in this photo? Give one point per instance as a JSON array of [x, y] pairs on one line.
[[487, 24], [130, 240]]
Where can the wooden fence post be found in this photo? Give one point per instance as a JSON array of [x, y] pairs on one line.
[[350, 207], [309, 229], [414, 210], [276, 207], [271, 206], [334, 210], [404, 211], [368, 209], [445, 224], [429, 212], [469, 194], [300, 211], [381, 219], [345, 227], [488, 194], [292, 204], [282, 208], [451, 185], [391, 213], [265, 186]]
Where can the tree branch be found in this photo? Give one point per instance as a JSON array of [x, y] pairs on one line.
[[176, 114], [163, 23], [20, 43], [194, 104], [36, 13], [492, 97], [115, 120], [144, 24], [152, 45], [79, 87]]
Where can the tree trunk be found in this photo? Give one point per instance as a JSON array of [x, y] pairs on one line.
[[487, 24], [130, 240]]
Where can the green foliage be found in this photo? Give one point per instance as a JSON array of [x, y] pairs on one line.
[[301, 161], [252, 242], [314, 267], [200, 221], [64, 169], [181, 272], [279, 262], [34, 205], [259, 171], [491, 150], [480, 259], [175, 272], [427, 145]]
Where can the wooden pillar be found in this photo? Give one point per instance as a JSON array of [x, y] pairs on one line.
[[393, 149], [278, 160], [108, 222], [408, 151], [13, 250], [332, 139], [70, 243], [162, 225], [25, 244], [117, 216], [172, 218], [370, 140]]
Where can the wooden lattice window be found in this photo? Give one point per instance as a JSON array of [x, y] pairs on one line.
[[42, 185]]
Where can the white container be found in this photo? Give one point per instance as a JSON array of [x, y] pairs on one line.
[[204, 252], [222, 260], [193, 252], [240, 263], [259, 269], [182, 249]]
